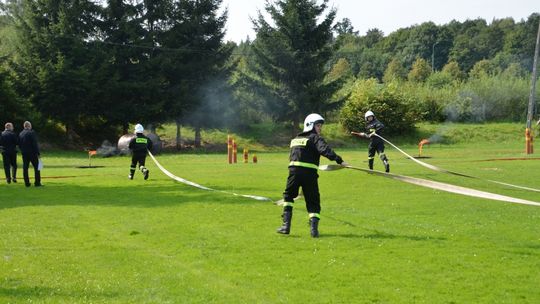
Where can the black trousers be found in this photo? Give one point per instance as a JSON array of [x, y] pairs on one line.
[[308, 180], [136, 158], [27, 159], [10, 164], [375, 148]]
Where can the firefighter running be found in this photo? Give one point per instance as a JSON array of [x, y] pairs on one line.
[[139, 145], [376, 144], [306, 149]]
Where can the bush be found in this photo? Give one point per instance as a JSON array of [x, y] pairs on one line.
[[394, 71], [430, 100], [501, 97], [439, 80], [452, 69], [390, 105], [497, 98], [420, 71]]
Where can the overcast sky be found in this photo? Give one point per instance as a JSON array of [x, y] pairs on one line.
[[388, 15]]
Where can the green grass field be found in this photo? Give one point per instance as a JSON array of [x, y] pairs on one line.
[[93, 236]]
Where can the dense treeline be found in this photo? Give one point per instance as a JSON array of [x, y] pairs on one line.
[[92, 68], [96, 68]]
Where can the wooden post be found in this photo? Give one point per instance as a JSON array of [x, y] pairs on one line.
[[529, 149], [246, 155], [90, 154], [235, 151], [532, 105], [229, 148]]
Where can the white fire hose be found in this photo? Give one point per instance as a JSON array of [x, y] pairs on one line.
[[436, 185], [435, 168], [189, 183]]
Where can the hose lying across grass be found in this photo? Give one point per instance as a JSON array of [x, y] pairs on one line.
[[437, 185], [185, 181], [407, 179], [435, 168]]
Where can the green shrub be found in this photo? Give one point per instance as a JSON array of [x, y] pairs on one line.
[[497, 98], [420, 71], [390, 105], [394, 71], [452, 69], [500, 97], [429, 100], [439, 80]]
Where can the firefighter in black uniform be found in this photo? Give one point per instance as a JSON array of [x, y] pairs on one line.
[[306, 150], [376, 144], [30, 154], [139, 146], [9, 142]]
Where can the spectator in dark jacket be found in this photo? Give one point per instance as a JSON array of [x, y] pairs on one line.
[[30, 153], [9, 141]]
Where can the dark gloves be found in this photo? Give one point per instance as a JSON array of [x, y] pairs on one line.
[[339, 160]]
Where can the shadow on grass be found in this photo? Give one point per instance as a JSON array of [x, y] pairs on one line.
[[340, 235], [340, 221], [40, 293], [534, 246], [378, 234], [70, 166], [132, 194], [523, 253], [384, 235], [526, 250]]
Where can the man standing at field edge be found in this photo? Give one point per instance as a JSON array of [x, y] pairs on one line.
[[306, 150], [9, 141], [30, 154]]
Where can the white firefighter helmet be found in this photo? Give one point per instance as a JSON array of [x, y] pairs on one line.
[[311, 120], [139, 128], [368, 114]]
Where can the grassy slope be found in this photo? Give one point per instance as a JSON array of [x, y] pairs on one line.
[[99, 238]]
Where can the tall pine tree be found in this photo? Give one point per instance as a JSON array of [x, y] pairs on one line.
[[291, 58], [192, 62], [54, 57]]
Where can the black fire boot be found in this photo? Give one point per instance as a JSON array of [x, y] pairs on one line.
[[286, 227], [370, 164], [314, 223], [385, 162], [146, 172]]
